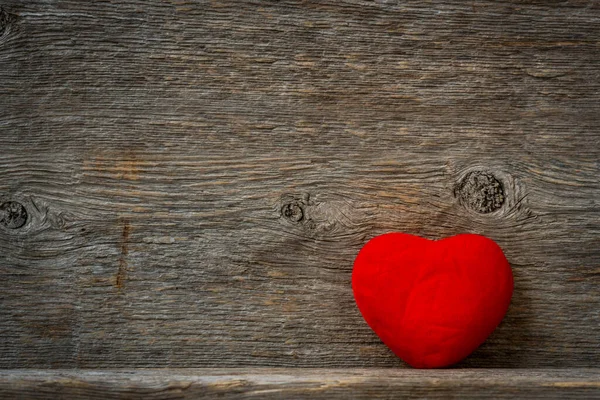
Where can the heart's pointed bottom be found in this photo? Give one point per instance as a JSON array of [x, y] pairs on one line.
[[432, 302]]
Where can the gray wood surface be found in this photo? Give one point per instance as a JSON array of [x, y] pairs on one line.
[[198, 177], [300, 383]]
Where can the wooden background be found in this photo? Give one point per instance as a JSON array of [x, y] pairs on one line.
[[199, 176]]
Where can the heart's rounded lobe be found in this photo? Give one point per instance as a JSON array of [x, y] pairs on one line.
[[432, 302]]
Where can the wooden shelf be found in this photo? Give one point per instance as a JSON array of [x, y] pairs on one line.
[[290, 383]]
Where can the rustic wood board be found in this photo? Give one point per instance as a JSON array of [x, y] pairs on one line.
[[199, 176], [300, 383]]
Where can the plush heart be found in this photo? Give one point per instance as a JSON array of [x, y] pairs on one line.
[[432, 302]]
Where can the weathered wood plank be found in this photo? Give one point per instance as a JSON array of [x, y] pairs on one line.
[[300, 383], [198, 176]]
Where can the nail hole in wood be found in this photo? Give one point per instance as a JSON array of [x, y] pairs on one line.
[[481, 192], [293, 211], [13, 215]]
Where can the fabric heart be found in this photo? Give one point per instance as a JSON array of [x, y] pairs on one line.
[[432, 302]]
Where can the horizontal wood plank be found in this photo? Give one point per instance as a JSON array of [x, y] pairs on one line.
[[199, 176], [299, 383]]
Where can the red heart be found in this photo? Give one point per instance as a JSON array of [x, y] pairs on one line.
[[432, 302]]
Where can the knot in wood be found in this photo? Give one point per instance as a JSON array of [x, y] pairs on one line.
[[481, 192], [293, 211], [5, 20], [13, 215]]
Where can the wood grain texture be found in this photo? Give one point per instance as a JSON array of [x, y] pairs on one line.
[[297, 383], [199, 176]]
